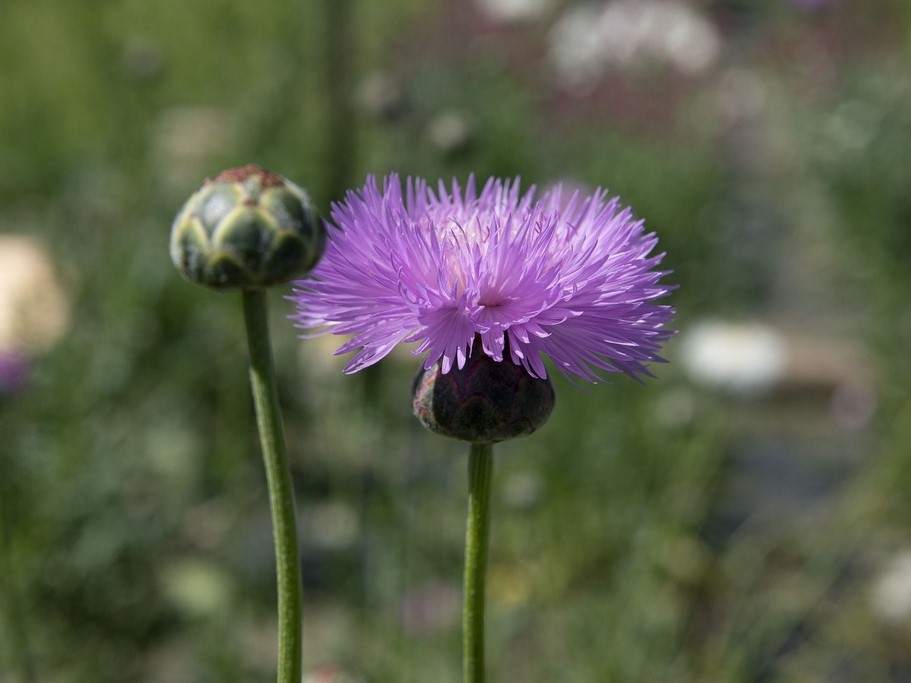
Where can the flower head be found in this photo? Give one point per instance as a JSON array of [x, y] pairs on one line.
[[246, 228], [569, 278]]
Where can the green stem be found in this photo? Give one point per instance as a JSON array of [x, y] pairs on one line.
[[477, 534], [281, 493]]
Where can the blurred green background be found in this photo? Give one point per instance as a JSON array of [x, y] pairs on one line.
[[744, 517]]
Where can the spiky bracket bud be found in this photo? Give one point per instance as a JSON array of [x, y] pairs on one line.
[[485, 402], [247, 228]]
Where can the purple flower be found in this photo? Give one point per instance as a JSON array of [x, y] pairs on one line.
[[565, 277], [14, 371]]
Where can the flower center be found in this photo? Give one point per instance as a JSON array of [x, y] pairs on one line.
[[491, 301]]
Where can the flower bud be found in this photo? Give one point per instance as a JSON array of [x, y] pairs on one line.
[[246, 228], [484, 402]]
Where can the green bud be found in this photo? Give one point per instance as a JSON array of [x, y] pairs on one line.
[[246, 228], [485, 402]]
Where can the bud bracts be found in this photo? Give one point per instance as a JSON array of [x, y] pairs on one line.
[[486, 401], [246, 228]]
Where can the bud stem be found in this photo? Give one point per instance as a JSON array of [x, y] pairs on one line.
[[281, 492], [477, 535]]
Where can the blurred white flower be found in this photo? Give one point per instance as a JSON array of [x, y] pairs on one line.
[[589, 39], [890, 597], [514, 10], [34, 308], [743, 358]]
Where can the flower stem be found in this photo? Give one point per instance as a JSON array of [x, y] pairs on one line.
[[477, 534], [281, 493]]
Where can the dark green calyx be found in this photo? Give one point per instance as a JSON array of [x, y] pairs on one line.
[[484, 402], [246, 228]]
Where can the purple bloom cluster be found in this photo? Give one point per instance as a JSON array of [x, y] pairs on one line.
[[569, 278]]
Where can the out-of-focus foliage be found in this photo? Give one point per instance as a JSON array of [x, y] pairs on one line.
[[671, 532]]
